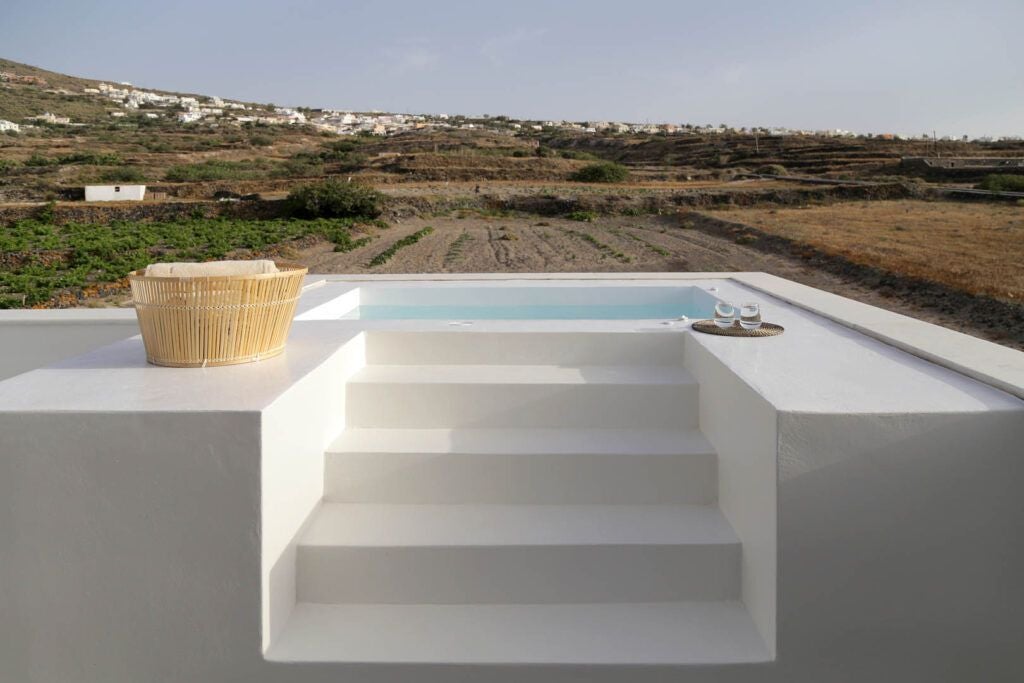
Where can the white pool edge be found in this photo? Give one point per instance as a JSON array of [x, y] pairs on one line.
[[998, 366]]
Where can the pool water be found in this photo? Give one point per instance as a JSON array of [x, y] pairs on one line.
[[463, 302], [526, 312]]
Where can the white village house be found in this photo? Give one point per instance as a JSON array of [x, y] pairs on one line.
[[115, 193], [8, 125]]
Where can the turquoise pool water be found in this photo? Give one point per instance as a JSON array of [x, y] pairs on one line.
[[527, 312]]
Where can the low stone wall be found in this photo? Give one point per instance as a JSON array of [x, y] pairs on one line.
[[631, 203], [960, 168], [399, 206], [671, 202], [147, 211]]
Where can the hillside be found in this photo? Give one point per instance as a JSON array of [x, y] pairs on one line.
[[19, 101], [802, 155], [57, 93], [114, 142], [53, 79], [247, 148]]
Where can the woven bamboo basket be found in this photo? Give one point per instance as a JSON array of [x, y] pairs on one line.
[[194, 322]]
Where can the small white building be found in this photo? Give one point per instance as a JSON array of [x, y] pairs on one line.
[[289, 115], [47, 117], [115, 193], [8, 125]]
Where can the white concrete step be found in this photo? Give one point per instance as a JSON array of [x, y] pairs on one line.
[[671, 633], [537, 396], [526, 348], [441, 554], [568, 466]]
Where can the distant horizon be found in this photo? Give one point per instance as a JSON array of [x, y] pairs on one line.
[[904, 68]]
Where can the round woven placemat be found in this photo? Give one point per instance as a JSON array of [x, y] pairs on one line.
[[766, 329]]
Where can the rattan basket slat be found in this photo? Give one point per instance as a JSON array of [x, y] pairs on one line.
[[190, 322]]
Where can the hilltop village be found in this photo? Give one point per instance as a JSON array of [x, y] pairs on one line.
[[125, 100]]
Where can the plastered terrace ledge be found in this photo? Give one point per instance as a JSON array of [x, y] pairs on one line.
[[993, 364]]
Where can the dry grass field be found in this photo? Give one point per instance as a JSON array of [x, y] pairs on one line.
[[973, 247]]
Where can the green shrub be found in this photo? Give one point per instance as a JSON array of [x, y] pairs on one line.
[[85, 158], [601, 173], [333, 199], [215, 169], [605, 249], [157, 146], [351, 244], [91, 158], [1002, 182], [298, 168], [40, 160], [261, 141], [582, 216], [343, 146], [346, 152], [124, 174], [8, 164], [578, 154], [409, 240], [47, 213], [772, 169]]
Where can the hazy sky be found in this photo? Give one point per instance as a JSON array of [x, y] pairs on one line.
[[894, 66]]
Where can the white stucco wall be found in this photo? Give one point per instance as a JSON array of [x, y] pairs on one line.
[[296, 429], [130, 546], [115, 193], [32, 339], [899, 546], [742, 427]]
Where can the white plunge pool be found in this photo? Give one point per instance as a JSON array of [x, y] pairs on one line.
[[441, 302]]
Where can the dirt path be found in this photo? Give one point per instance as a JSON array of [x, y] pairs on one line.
[[495, 244]]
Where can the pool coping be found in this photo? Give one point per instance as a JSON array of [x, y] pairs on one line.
[[997, 366]]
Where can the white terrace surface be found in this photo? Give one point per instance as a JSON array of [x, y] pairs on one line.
[[509, 500]]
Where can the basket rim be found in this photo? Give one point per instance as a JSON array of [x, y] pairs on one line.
[[284, 269]]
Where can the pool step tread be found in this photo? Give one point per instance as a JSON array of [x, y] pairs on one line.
[[523, 348], [527, 554], [385, 525], [519, 441], [522, 374], [523, 396], [666, 633], [525, 465]]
